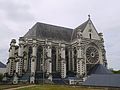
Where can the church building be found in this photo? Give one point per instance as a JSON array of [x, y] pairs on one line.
[[49, 51]]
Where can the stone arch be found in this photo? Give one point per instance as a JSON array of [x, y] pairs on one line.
[[39, 61], [67, 58], [29, 58], [93, 44], [53, 59], [24, 61], [75, 58]]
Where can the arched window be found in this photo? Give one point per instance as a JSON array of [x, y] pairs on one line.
[[24, 61], [90, 36], [75, 58], [67, 58], [29, 58], [39, 61], [53, 59]]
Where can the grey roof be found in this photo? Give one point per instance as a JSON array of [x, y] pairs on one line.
[[111, 80], [46, 31], [81, 28], [2, 65], [99, 69]]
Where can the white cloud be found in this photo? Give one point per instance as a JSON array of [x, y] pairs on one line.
[[16, 11]]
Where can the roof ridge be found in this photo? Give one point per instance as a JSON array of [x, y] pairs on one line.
[[54, 25], [48, 31], [85, 23]]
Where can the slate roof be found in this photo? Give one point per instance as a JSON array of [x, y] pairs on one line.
[[99, 69], [46, 31], [81, 28], [110, 80], [2, 65], [101, 76]]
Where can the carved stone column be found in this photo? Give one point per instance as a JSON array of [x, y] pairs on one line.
[[49, 61], [73, 65], [69, 60], [11, 59], [63, 61], [33, 62], [19, 61], [103, 60], [57, 58], [80, 61]]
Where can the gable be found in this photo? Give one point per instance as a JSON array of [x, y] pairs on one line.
[[79, 28], [90, 31]]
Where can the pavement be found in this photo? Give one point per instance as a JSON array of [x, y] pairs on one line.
[[20, 87]]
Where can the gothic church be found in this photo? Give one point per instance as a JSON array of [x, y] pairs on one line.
[[49, 51]]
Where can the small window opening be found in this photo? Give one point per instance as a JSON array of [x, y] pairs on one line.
[[90, 35]]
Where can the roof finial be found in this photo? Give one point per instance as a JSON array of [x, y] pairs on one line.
[[89, 16]]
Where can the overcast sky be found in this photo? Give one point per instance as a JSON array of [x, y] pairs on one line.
[[18, 16]]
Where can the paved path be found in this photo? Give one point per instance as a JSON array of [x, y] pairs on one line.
[[20, 87]]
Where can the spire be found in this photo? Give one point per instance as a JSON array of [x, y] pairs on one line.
[[89, 16]]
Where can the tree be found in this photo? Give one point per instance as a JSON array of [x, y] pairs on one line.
[[116, 72]]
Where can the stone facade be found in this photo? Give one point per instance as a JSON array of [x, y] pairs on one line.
[[56, 52]]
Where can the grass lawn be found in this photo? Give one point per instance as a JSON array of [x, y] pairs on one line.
[[52, 87], [58, 87]]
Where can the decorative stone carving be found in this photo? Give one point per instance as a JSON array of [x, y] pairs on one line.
[[77, 45]]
